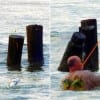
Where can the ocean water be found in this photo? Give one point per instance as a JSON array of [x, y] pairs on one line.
[[65, 19], [60, 18], [15, 15]]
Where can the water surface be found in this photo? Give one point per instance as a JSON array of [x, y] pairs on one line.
[[66, 16]]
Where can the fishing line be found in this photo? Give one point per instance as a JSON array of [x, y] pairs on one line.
[[87, 58]]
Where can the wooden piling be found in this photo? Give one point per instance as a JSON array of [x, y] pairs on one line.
[[35, 46], [74, 47], [14, 52], [89, 29]]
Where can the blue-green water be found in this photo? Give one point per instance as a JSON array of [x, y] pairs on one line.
[[65, 19]]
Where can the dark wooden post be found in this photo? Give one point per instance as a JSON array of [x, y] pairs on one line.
[[14, 52], [35, 46], [89, 29], [75, 47]]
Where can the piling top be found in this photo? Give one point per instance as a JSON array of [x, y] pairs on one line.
[[16, 36], [88, 22], [34, 26]]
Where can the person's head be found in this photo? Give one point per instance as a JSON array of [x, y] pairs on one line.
[[74, 63]]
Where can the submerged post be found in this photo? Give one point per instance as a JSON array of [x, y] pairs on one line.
[[89, 29], [35, 46], [14, 52]]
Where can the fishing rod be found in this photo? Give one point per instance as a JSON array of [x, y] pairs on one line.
[[87, 58]]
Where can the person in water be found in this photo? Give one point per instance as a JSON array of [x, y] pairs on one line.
[[86, 79]]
